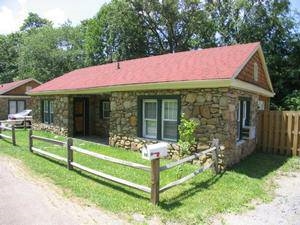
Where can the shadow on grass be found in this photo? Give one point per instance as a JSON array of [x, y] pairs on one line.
[[259, 165], [197, 187], [99, 180]]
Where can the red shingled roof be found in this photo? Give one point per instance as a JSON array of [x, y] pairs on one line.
[[9, 86], [204, 64]]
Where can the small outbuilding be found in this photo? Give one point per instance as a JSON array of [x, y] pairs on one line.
[[13, 97], [140, 101]]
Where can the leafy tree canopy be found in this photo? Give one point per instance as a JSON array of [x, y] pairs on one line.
[[33, 21]]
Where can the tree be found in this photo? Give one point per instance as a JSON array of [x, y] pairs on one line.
[[9, 52], [270, 22], [49, 52], [34, 21], [175, 25], [116, 33]]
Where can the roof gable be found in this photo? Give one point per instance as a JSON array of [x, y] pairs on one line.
[[8, 87]]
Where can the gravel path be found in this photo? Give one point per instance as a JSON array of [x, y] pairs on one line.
[[283, 210], [26, 200]]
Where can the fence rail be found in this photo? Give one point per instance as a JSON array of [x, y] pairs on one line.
[[154, 170], [279, 132], [11, 137]]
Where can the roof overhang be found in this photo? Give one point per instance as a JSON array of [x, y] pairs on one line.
[[15, 96], [19, 84], [218, 83]]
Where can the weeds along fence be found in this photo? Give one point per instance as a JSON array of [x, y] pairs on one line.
[[155, 169], [11, 137], [279, 132]]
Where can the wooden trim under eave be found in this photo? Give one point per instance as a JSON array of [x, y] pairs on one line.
[[143, 87], [242, 85], [15, 96]]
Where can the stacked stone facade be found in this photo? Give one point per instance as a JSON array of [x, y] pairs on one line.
[[214, 109], [63, 119]]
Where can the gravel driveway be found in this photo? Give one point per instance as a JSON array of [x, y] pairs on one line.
[[26, 200], [283, 210]]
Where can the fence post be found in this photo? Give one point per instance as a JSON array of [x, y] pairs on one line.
[[13, 135], [155, 181], [30, 140], [215, 155], [0, 129], [70, 153]]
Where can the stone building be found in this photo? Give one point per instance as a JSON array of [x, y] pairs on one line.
[[13, 97], [140, 101]]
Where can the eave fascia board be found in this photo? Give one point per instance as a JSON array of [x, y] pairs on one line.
[[15, 96], [241, 85], [140, 87]]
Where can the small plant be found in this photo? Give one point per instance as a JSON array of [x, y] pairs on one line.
[[186, 131]]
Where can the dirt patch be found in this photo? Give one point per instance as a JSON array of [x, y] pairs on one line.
[[283, 210], [26, 199]]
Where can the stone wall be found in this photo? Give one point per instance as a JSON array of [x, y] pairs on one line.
[[3, 108], [214, 109], [242, 148], [61, 118], [208, 106]]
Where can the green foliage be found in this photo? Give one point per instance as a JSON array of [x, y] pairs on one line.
[[186, 131], [9, 52], [292, 101], [34, 21], [50, 52], [175, 25], [116, 33], [126, 29], [190, 203]]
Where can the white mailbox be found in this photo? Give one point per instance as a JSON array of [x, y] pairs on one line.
[[155, 151]]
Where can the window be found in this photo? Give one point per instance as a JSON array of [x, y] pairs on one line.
[[105, 109], [169, 119], [150, 118], [16, 106], [255, 72], [243, 119], [48, 111], [159, 118]]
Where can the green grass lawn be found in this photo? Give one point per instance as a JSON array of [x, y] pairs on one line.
[[190, 203]]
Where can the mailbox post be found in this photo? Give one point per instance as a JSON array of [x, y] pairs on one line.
[[154, 152], [155, 181]]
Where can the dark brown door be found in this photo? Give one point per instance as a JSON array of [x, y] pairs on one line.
[[81, 116]]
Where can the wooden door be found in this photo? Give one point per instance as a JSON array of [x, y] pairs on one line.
[[81, 116]]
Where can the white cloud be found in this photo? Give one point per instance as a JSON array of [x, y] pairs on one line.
[[57, 16], [10, 21]]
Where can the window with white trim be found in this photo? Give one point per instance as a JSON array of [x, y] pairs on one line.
[[159, 118], [169, 119], [150, 118], [243, 119], [48, 111]]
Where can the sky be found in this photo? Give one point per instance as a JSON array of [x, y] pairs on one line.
[[13, 12]]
